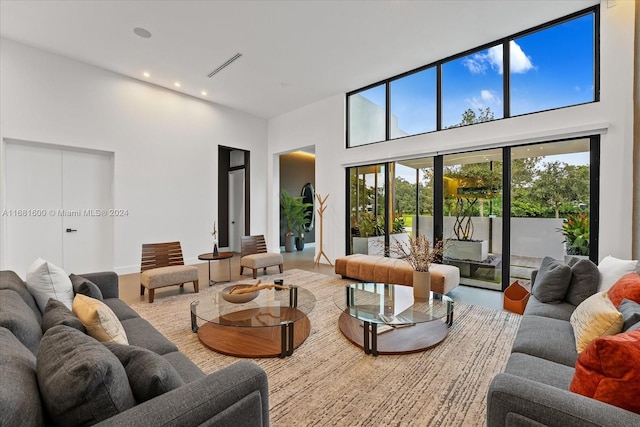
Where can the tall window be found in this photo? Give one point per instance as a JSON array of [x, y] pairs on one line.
[[413, 104], [472, 88]]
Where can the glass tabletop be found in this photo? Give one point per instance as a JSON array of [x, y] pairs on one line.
[[270, 308], [391, 304]]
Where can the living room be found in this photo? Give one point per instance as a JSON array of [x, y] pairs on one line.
[[161, 143]]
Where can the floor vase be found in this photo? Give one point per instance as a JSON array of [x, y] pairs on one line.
[[421, 284]]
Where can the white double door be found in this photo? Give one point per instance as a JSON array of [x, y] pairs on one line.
[[58, 207]]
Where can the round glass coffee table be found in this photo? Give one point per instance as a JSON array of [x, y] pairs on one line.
[[273, 324], [385, 319]]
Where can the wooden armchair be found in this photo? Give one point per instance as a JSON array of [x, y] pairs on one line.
[[254, 255], [162, 265]]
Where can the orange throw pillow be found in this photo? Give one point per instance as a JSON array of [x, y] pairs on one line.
[[609, 370], [628, 286]]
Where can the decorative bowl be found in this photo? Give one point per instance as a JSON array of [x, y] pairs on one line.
[[238, 298]]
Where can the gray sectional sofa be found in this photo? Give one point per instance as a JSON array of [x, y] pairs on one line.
[[534, 389], [234, 396]]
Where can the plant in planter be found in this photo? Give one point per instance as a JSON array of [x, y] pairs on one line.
[[371, 235], [575, 230], [295, 216], [420, 255]]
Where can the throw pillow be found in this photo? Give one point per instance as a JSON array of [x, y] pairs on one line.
[[149, 374], [56, 313], [552, 281], [20, 403], [609, 370], [45, 280], [595, 317], [100, 321], [585, 278], [81, 381], [630, 313], [85, 287], [16, 316], [612, 269], [628, 286]]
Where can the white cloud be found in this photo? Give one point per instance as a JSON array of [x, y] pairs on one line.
[[520, 62], [489, 96], [486, 99]]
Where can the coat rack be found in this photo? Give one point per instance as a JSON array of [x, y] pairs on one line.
[[321, 209]]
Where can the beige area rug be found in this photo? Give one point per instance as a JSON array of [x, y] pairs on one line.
[[330, 382]]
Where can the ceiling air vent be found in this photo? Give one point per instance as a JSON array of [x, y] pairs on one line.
[[229, 61]]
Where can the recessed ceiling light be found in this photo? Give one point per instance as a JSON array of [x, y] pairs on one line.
[[146, 74], [145, 34], [204, 93], [177, 84]]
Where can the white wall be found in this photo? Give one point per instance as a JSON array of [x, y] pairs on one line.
[[322, 124], [165, 145]]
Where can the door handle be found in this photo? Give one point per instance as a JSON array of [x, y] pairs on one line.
[[69, 230], [233, 222]]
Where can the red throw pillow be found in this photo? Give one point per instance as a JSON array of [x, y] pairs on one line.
[[609, 370], [628, 286]]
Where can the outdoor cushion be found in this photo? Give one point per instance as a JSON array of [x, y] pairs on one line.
[[552, 281], [81, 381], [149, 374]]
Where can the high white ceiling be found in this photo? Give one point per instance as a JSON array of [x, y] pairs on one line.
[[293, 52]]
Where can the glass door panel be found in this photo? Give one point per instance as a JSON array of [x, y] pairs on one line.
[[472, 208], [550, 204], [367, 209]]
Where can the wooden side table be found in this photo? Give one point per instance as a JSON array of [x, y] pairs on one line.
[[211, 257]]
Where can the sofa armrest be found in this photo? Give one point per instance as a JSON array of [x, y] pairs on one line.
[[107, 281], [510, 396], [236, 395]]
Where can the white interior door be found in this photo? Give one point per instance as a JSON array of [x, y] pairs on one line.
[[236, 209], [50, 190]]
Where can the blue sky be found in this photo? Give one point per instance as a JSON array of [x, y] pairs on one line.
[[549, 69]]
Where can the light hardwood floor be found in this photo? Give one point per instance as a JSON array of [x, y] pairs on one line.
[[304, 260]]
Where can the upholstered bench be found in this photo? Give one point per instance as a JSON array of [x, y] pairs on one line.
[[255, 256], [371, 268], [162, 265]]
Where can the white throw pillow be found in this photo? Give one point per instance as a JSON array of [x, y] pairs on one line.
[[612, 269], [595, 317], [45, 280]]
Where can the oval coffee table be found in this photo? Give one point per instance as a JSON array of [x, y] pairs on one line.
[[273, 324], [385, 319]]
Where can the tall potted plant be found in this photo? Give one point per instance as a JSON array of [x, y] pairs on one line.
[[295, 216]]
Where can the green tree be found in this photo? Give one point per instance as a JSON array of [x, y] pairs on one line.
[[470, 117], [558, 184]]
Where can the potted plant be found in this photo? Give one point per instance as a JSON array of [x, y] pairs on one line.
[[420, 255], [575, 230], [295, 216], [371, 235]]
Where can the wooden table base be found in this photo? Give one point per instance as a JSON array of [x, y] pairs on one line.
[[410, 339], [251, 341]]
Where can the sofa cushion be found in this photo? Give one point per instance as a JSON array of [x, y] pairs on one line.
[[609, 370], [628, 286], [101, 323], [46, 280], [630, 313], [585, 278], [149, 374], [16, 316], [120, 308], [547, 338], [56, 313], [560, 311], [10, 280], [187, 370], [552, 281], [595, 317], [612, 269], [540, 370], [141, 333], [85, 287], [20, 403], [81, 381]]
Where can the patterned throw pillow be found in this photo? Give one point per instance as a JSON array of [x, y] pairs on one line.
[[609, 370], [99, 320], [595, 317]]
